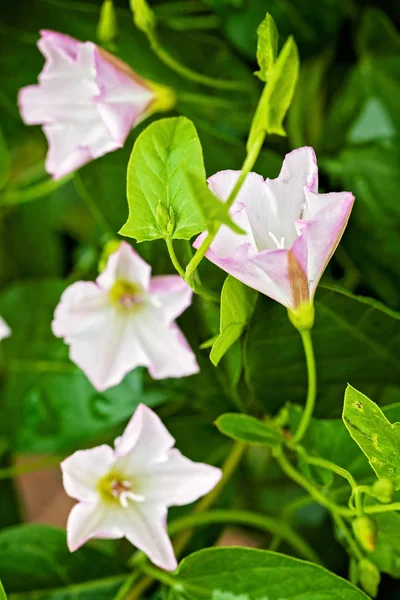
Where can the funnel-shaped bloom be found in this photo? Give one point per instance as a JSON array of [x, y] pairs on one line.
[[126, 492], [291, 230], [5, 331], [125, 320], [87, 101]]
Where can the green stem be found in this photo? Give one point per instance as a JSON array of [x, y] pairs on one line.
[[186, 72], [230, 464], [290, 509], [330, 466], [174, 258], [33, 192], [195, 285], [380, 508], [246, 168], [228, 468], [312, 385], [293, 474], [209, 100], [159, 575], [92, 206], [250, 519], [348, 537]]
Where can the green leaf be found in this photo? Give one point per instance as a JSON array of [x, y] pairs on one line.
[[277, 94], [244, 428], [157, 168], [376, 436], [377, 34], [246, 574], [36, 557], [386, 555], [2, 592], [212, 210], [237, 305], [356, 339], [329, 439], [267, 47], [47, 403]]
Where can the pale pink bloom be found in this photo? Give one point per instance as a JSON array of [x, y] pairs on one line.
[[5, 331], [126, 492], [291, 230], [87, 101], [125, 320]]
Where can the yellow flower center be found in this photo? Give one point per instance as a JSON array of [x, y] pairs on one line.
[[126, 295], [114, 488]]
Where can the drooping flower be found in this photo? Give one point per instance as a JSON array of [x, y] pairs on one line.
[[126, 492], [291, 230], [87, 101], [5, 331], [125, 320]]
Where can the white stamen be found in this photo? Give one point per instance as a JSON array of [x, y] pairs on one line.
[[280, 244], [122, 491]]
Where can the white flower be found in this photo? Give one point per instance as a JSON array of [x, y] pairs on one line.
[[5, 331], [126, 492], [125, 320]]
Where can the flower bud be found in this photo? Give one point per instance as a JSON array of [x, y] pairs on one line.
[[165, 218], [369, 577], [383, 489], [107, 29], [366, 531]]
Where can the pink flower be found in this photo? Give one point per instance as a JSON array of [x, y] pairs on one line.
[[291, 230], [87, 101], [5, 331], [124, 320], [126, 492]]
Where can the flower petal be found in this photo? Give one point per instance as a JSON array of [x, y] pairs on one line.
[[168, 353], [87, 100], [125, 265], [5, 331], [144, 525], [145, 439], [124, 97], [299, 169], [87, 521], [178, 481], [83, 469], [81, 309], [172, 295], [321, 235]]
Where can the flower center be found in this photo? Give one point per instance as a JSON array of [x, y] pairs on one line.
[[114, 488], [280, 244], [126, 295]]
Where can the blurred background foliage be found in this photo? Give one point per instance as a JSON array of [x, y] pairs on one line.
[[346, 106]]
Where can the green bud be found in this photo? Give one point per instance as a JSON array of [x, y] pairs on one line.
[[369, 576], [109, 248], [366, 531], [165, 219], [303, 316], [143, 15], [383, 489], [162, 216], [171, 222], [107, 28]]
